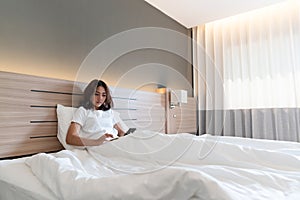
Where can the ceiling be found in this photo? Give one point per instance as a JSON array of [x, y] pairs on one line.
[[191, 13]]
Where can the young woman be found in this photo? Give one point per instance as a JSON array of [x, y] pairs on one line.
[[94, 122]]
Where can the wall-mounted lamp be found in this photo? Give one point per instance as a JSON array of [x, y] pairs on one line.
[[161, 90], [177, 97]]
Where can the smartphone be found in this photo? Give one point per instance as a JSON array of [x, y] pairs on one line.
[[130, 130], [114, 139]]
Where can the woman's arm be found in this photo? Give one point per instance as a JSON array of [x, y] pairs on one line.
[[73, 137], [120, 131]]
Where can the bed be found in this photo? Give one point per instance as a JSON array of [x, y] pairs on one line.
[[147, 164]]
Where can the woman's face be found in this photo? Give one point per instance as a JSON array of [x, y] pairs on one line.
[[99, 97]]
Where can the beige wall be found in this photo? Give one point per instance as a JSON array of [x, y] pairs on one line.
[[53, 38]]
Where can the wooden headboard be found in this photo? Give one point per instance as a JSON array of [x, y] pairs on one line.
[[28, 122]]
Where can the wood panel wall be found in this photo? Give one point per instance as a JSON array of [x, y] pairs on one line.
[[140, 109], [28, 122], [183, 118]]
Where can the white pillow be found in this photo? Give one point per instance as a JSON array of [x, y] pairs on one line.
[[64, 117]]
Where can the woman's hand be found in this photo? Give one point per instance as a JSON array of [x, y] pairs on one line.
[[120, 131], [104, 138]]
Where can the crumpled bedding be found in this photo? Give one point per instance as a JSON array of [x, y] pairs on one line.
[[151, 165]]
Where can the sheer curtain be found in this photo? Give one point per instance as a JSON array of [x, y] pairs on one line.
[[247, 74]]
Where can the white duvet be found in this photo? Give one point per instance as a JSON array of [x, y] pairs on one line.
[[149, 165]]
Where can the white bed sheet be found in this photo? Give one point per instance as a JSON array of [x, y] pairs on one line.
[[150, 165], [18, 182]]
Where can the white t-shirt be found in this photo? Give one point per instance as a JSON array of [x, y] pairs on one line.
[[94, 123]]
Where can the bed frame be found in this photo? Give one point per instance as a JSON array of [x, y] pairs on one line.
[[28, 122]]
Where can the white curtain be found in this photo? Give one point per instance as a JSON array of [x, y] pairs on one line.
[[247, 73]]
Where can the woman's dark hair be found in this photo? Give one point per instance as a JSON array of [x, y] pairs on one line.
[[89, 92]]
